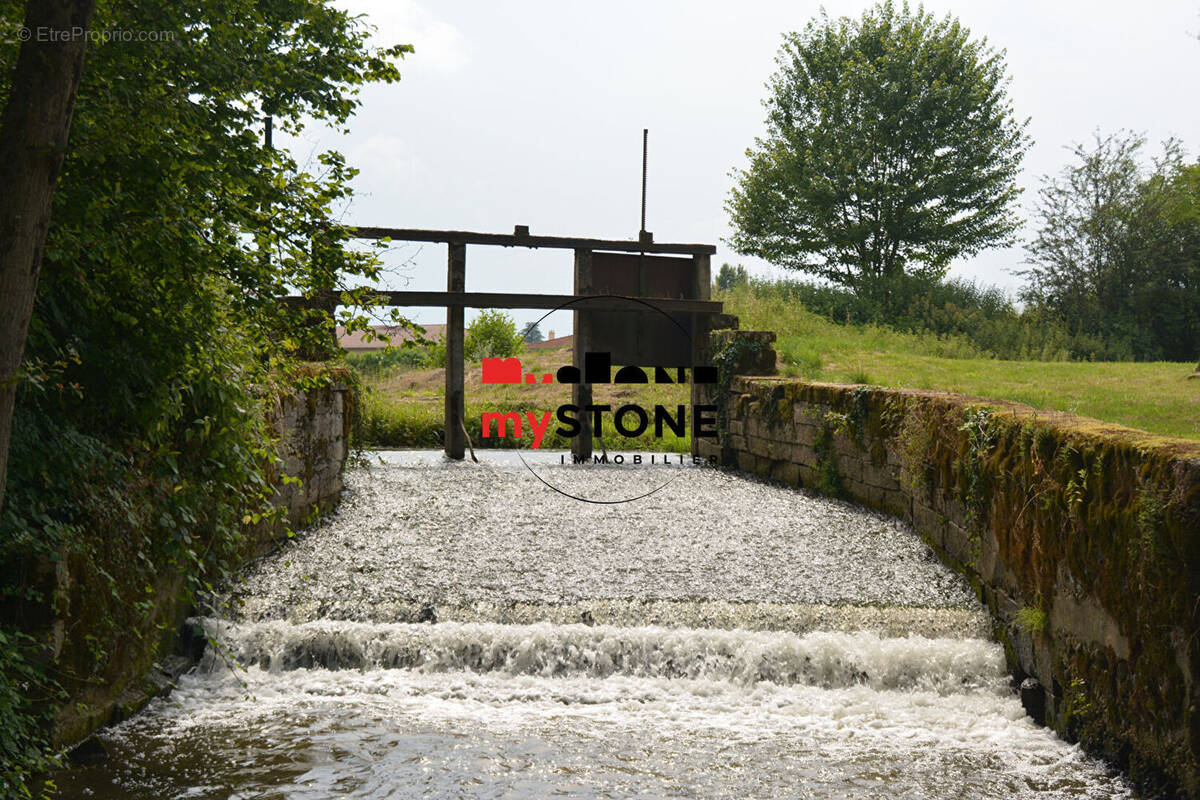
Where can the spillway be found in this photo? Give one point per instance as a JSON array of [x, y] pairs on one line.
[[460, 630]]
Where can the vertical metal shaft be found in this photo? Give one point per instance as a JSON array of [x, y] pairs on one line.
[[645, 143]]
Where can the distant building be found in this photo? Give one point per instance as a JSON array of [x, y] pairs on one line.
[[552, 343], [357, 341]]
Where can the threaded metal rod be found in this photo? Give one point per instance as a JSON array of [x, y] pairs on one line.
[[645, 143]]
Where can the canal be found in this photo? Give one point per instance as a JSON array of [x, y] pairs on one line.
[[460, 630]]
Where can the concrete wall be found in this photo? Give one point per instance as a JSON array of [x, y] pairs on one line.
[[1082, 538]]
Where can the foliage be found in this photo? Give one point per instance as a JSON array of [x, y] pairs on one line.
[[731, 354], [890, 150], [531, 333], [729, 276], [1031, 620], [914, 443], [158, 339], [24, 690], [1117, 256], [829, 479], [977, 426], [492, 334], [983, 317], [1154, 397], [374, 363]]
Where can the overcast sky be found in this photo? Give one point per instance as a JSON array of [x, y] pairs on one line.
[[522, 113]]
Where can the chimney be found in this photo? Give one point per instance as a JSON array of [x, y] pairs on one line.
[[551, 336]]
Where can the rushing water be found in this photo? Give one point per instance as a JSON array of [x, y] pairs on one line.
[[459, 630]]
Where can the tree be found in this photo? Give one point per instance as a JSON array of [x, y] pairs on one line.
[[729, 277], [891, 149], [532, 333], [1117, 253], [492, 334], [141, 448], [33, 140]]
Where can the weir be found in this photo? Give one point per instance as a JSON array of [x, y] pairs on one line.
[[457, 630]]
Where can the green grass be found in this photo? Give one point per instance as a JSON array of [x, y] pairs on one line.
[[1155, 397], [1032, 620], [403, 406]]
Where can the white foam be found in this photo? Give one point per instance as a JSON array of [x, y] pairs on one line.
[[461, 733], [823, 658]]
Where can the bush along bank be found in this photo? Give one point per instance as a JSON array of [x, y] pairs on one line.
[[104, 553]]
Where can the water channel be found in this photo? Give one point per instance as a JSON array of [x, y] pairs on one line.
[[460, 630]]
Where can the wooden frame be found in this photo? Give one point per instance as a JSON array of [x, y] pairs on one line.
[[455, 299]]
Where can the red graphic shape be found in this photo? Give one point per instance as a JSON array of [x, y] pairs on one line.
[[502, 370]]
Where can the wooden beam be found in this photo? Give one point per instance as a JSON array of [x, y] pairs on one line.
[[581, 393], [539, 301], [701, 323], [527, 240], [702, 277], [455, 418]]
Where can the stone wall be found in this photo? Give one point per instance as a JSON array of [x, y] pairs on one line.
[[1082, 538], [313, 426], [314, 441]]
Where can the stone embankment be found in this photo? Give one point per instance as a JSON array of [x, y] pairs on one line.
[[1082, 538], [313, 427]]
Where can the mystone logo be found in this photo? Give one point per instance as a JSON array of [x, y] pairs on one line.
[[629, 420], [607, 421]]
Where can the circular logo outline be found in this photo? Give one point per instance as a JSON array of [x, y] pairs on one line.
[[692, 366]]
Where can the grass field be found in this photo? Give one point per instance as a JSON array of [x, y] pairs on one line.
[[403, 406], [1155, 397]]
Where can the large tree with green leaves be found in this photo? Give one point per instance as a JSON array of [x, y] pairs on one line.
[[34, 124], [1117, 252], [157, 343], [891, 149]]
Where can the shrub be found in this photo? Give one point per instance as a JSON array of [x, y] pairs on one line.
[[492, 334], [728, 276], [398, 358], [968, 320]]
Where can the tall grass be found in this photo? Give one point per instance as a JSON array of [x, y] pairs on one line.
[[981, 315]]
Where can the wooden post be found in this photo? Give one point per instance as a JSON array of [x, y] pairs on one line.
[[701, 290], [456, 281], [581, 393]]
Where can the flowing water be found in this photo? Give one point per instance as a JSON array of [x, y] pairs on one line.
[[460, 630]]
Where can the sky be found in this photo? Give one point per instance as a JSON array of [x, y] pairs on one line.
[[525, 113]]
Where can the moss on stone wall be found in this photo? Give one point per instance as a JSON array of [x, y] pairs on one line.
[[105, 618], [1093, 528]]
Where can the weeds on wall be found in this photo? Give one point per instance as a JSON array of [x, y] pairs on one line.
[[1030, 619], [980, 439], [732, 352], [829, 479], [914, 443], [857, 417]]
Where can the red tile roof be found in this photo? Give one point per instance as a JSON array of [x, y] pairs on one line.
[[553, 344], [358, 340]]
